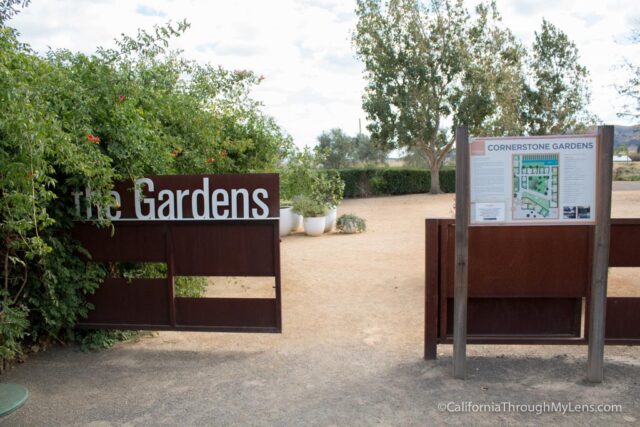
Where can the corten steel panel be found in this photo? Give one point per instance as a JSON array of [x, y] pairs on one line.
[[221, 313], [432, 272], [488, 326], [224, 249], [521, 316], [131, 242], [250, 182], [189, 247], [135, 302], [623, 318], [625, 235], [527, 261], [447, 237]]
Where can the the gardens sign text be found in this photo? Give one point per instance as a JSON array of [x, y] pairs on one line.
[[187, 197]]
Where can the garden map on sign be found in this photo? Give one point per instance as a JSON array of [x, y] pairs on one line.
[[535, 186]]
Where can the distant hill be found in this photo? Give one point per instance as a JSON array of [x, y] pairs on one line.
[[628, 136]]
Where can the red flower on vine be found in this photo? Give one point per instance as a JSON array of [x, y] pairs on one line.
[[121, 97], [93, 138]]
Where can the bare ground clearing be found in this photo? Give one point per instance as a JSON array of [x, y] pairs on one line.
[[350, 353]]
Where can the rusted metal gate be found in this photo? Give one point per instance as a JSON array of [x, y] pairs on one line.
[[238, 245], [527, 285]]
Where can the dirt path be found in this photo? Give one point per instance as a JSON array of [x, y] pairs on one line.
[[350, 353]]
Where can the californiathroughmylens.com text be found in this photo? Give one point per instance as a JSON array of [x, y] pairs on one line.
[[168, 204]]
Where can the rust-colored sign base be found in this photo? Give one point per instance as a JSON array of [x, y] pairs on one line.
[[527, 285]]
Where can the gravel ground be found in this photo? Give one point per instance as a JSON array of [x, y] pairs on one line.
[[350, 353]]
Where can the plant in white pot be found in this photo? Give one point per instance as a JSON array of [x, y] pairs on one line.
[[313, 212], [296, 221], [298, 176], [286, 218], [330, 187]]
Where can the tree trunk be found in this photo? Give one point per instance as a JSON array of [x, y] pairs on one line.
[[435, 177]]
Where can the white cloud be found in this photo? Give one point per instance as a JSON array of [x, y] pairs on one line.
[[313, 82]]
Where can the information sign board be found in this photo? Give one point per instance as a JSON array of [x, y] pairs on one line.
[[533, 180]]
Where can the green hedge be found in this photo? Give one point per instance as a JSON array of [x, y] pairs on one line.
[[367, 182]]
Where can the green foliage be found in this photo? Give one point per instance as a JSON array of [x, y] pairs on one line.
[[9, 8], [557, 97], [13, 328], [341, 150], [68, 120], [309, 207], [190, 287], [328, 188], [338, 148], [302, 176], [367, 182], [427, 64], [298, 175], [185, 286], [350, 223], [100, 339], [631, 88]]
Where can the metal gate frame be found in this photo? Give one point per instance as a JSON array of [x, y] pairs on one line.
[[230, 247], [513, 301]]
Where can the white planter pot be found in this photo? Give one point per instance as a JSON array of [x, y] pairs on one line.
[[330, 220], [296, 222], [314, 226], [286, 221]]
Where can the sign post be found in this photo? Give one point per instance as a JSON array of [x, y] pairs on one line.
[[462, 254], [535, 180], [597, 310]]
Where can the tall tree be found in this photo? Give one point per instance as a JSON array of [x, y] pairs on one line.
[[557, 91], [492, 89], [631, 88], [431, 64], [340, 150], [337, 146], [367, 152]]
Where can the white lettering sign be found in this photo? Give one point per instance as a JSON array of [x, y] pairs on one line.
[[204, 203]]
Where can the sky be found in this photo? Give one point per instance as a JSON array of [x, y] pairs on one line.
[[313, 81]]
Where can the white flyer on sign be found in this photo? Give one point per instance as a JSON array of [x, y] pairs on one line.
[[533, 180]]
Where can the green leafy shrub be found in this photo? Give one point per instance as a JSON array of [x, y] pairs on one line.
[[68, 120], [190, 287], [302, 176], [367, 182], [328, 188], [299, 175], [378, 184], [185, 286], [100, 339], [350, 223]]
